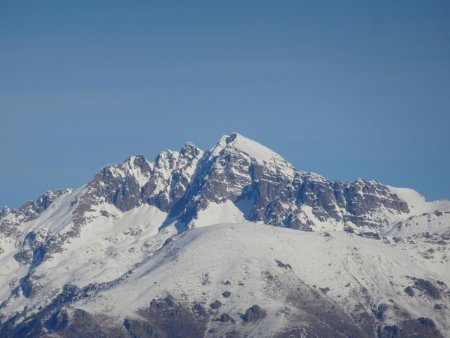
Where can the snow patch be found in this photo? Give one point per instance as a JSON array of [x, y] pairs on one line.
[[215, 213], [252, 148]]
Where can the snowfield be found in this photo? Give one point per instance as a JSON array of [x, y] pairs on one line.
[[230, 242], [204, 263]]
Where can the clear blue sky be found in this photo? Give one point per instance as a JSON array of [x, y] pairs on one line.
[[344, 88]]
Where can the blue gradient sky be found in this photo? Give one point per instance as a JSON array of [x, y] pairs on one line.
[[344, 88]]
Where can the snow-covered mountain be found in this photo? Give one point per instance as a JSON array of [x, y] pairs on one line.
[[229, 242]]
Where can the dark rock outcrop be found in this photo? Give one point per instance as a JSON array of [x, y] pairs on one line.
[[420, 327], [427, 288], [253, 313]]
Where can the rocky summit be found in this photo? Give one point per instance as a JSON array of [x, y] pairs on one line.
[[229, 242]]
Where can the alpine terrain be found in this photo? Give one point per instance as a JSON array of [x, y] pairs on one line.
[[230, 242]]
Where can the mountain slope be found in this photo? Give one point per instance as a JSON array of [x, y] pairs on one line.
[[321, 284], [140, 231]]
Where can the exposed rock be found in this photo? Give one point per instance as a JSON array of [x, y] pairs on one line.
[[141, 329], [225, 317], [427, 287], [58, 321], [282, 265], [253, 313], [409, 291], [438, 307], [199, 310], [325, 290], [420, 327], [175, 319], [226, 294], [264, 188]]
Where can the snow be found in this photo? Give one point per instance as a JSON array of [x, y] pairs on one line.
[[9, 267], [420, 224], [243, 253], [306, 213], [219, 243], [106, 248], [418, 204], [136, 172], [215, 213], [55, 218], [416, 201], [103, 251], [424, 216], [252, 148]]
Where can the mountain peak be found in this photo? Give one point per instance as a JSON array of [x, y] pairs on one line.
[[190, 148], [252, 148], [4, 211], [136, 160], [131, 235]]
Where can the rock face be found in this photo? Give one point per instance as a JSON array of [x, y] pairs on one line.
[[246, 173], [257, 180], [70, 245], [238, 170], [253, 313], [136, 181], [10, 219]]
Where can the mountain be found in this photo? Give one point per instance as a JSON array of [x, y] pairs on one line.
[[229, 242]]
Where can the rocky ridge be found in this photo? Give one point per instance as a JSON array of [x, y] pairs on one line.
[[268, 187], [135, 209]]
